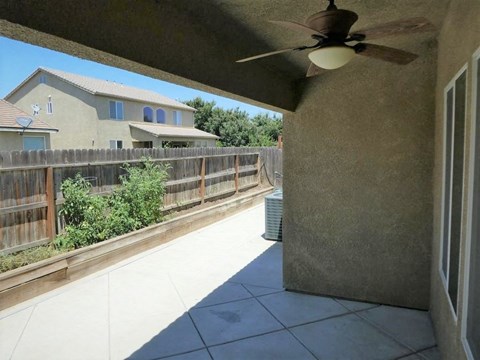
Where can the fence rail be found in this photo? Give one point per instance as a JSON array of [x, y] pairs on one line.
[[30, 181]]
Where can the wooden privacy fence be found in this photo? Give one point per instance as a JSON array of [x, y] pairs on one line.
[[30, 181]]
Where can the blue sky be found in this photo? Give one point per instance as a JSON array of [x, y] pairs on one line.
[[18, 60]]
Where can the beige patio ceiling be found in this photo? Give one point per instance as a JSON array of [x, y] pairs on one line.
[[196, 43]]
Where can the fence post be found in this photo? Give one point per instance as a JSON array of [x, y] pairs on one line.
[[50, 197], [258, 169], [237, 167], [202, 181]]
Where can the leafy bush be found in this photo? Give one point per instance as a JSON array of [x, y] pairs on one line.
[[136, 203]]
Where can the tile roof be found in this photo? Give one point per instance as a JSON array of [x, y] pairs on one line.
[[9, 113], [173, 131], [110, 88]]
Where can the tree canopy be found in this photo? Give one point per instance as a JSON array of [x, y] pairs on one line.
[[234, 126]]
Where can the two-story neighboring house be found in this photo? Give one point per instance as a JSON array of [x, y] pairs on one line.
[[21, 131], [92, 113]]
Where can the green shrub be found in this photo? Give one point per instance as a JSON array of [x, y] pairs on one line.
[[141, 193], [136, 203], [25, 257]]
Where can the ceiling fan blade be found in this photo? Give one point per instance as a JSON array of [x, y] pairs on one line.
[[314, 70], [399, 27], [266, 54], [385, 53], [297, 26]]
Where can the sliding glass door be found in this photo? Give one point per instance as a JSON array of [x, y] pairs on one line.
[[471, 328]]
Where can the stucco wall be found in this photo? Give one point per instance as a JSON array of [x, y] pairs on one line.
[[76, 114], [358, 190], [13, 141], [133, 111], [10, 141], [458, 40], [73, 111]]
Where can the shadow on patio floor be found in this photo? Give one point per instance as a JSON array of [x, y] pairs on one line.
[[250, 316]]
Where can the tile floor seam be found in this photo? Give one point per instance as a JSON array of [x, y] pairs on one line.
[[23, 331], [221, 303], [317, 321], [243, 285], [179, 354], [419, 352], [384, 331], [246, 337], [200, 335], [187, 311], [109, 318], [286, 328], [267, 287], [176, 291], [354, 311]]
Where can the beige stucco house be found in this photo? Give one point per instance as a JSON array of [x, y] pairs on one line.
[[21, 131], [381, 162], [92, 113]]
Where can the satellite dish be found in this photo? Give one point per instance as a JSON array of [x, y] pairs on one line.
[[24, 121], [36, 109]]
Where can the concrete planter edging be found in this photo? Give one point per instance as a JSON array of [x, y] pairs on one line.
[[24, 283]]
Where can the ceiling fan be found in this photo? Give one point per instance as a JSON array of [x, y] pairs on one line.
[[330, 29]]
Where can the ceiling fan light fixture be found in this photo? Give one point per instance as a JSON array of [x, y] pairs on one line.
[[331, 57]]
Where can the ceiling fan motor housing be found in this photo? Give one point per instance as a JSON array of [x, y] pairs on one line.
[[335, 24]]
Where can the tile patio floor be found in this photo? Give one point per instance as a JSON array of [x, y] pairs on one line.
[[215, 293]]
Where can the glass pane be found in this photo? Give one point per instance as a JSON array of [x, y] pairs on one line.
[[113, 144], [113, 112], [177, 118], [33, 143], [457, 187], [119, 110], [448, 174], [119, 144], [147, 114], [473, 315], [160, 116]]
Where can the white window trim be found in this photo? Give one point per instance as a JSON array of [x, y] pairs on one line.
[[116, 144], [116, 112], [445, 277], [35, 136], [468, 241], [49, 107]]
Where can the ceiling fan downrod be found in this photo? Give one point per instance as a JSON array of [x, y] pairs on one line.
[[331, 5]]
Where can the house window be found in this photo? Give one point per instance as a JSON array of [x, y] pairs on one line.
[[471, 324], [116, 144], [147, 114], [160, 116], [177, 117], [116, 110], [42, 79], [49, 105], [34, 143], [454, 143]]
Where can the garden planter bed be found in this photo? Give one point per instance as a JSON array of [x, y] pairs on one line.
[[29, 281]]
